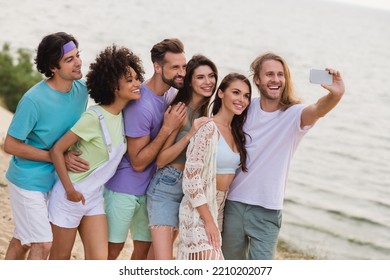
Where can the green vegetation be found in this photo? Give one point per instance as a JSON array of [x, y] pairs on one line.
[[15, 78]]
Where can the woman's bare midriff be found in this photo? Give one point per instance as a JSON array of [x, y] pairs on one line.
[[224, 181], [177, 166]]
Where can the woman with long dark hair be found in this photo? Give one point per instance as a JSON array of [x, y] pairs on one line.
[[214, 154], [164, 192]]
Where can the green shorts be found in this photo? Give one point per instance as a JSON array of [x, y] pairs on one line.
[[126, 212], [250, 232]]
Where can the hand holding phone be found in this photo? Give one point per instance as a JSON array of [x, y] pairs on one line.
[[321, 77]]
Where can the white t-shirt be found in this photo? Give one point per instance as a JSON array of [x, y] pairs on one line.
[[274, 137]]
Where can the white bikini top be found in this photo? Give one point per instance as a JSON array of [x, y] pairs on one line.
[[227, 160]]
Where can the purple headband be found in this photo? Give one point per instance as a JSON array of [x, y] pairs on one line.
[[69, 46]]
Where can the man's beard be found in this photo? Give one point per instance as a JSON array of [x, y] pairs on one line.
[[171, 82]]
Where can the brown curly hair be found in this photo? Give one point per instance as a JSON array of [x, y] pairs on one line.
[[109, 67]]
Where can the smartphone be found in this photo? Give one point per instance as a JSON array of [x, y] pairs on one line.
[[321, 77]]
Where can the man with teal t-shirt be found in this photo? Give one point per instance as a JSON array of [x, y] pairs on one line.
[[45, 112]]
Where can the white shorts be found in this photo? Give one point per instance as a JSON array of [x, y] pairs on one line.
[[30, 215], [68, 214]]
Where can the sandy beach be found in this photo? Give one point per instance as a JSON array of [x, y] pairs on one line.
[[6, 225], [6, 221]]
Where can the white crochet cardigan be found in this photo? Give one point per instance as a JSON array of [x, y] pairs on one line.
[[199, 187]]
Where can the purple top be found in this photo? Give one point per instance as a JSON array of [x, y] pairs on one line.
[[141, 117]]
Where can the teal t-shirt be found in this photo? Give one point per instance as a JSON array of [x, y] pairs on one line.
[[43, 115], [91, 143]]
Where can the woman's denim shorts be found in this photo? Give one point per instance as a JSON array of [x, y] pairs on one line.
[[164, 195]]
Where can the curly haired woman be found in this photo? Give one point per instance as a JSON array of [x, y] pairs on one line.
[[76, 201]]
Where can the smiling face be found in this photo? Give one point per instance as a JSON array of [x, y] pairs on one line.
[[236, 97], [69, 66], [271, 80], [129, 85], [174, 69], [203, 81]]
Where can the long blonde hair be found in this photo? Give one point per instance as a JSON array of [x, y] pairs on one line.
[[288, 97]]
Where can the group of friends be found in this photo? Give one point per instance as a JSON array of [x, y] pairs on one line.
[[176, 156]]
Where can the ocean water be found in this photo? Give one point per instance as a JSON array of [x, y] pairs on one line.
[[338, 196]]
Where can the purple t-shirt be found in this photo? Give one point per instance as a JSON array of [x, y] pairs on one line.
[[142, 117]]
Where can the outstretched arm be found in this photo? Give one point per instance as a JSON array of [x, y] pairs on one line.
[[326, 103]]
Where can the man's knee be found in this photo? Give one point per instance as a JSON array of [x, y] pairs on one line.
[[141, 249], [40, 250], [41, 246], [16, 251], [114, 250]]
